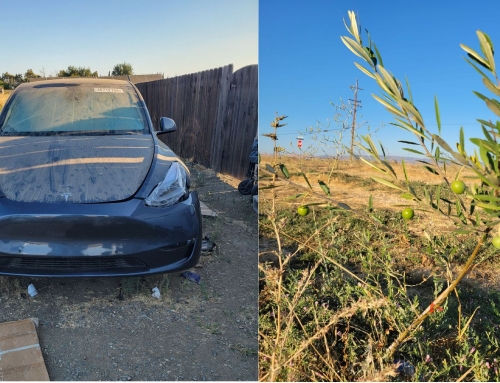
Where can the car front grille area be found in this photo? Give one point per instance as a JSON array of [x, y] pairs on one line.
[[32, 265]]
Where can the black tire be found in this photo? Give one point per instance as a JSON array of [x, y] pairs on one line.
[[245, 187]]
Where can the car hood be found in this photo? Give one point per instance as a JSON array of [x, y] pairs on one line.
[[75, 169]]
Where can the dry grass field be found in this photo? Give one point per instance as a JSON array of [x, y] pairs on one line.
[[338, 287]]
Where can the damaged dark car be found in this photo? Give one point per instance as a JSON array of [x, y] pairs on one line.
[[86, 187]]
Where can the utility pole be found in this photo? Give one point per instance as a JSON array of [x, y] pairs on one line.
[[356, 103]]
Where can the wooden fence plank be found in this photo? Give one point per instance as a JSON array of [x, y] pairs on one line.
[[215, 112]]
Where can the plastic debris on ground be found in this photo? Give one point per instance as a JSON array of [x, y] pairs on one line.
[[207, 245], [156, 293], [32, 290], [190, 276], [404, 367]]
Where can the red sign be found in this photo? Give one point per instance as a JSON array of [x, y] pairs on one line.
[[299, 143]]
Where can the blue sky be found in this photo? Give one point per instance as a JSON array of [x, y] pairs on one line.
[[303, 65], [173, 37]]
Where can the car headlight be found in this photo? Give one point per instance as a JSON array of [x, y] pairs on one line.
[[171, 189]]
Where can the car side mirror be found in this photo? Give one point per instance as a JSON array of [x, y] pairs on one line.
[[167, 125]]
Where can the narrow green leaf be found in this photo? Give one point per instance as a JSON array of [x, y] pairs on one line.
[[412, 192], [442, 143], [474, 55], [388, 166], [375, 218], [403, 164], [325, 187], [413, 111], [487, 50], [413, 151], [488, 135], [410, 96], [305, 177], [269, 168], [389, 80], [481, 96], [382, 148], [462, 142], [461, 159], [354, 26], [372, 165], [485, 197], [488, 206], [490, 42], [386, 183], [364, 70], [348, 27], [389, 107], [315, 204], [407, 196], [492, 87], [344, 206], [475, 67], [487, 123], [438, 116], [296, 196], [269, 187], [425, 162], [377, 53], [483, 178], [437, 154], [355, 48], [484, 156], [431, 170], [427, 196], [493, 106], [491, 146], [460, 213], [370, 204], [284, 170], [381, 83], [370, 143], [409, 142], [404, 125]]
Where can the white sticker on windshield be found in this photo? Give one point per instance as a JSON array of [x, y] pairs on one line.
[[108, 90]]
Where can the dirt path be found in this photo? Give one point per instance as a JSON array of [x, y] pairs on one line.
[[112, 329]]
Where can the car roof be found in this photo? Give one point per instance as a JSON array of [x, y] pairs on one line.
[[76, 80]]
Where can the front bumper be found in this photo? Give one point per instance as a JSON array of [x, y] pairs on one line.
[[96, 240]]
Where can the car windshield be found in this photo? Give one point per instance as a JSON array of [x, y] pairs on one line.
[[74, 109]]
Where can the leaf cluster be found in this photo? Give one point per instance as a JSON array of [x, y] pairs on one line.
[[484, 163]]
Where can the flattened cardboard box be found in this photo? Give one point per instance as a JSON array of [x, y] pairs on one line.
[[20, 354]]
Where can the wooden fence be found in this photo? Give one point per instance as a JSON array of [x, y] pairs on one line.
[[215, 112]]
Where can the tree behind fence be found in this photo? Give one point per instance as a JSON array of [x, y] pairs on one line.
[[215, 112]]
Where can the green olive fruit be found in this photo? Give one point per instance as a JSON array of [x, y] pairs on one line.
[[303, 210], [458, 186], [407, 213], [496, 241]]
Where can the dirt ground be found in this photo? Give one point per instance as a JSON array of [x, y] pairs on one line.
[[112, 329]]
